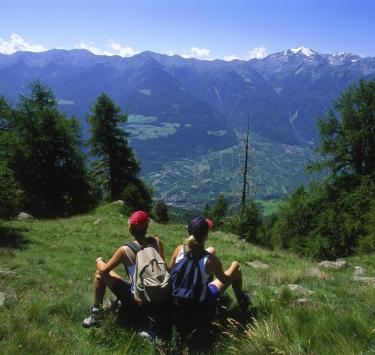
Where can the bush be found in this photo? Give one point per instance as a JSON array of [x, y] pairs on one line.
[[327, 221], [219, 210], [246, 222], [161, 212], [265, 231], [10, 192], [136, 196]]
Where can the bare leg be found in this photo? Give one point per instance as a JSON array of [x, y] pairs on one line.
[[211, 250], [101, 282], [235, 275]]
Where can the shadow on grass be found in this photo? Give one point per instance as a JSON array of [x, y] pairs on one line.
[[13, 238], [207, 335], [196, 334]]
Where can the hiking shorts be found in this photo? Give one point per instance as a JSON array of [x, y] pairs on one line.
[[122, 290], [212, 292]]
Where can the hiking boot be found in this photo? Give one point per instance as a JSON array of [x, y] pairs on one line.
[[150, 331], [244, 301], [95, 317], [112, 305]]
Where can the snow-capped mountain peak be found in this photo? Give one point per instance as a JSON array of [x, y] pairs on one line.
[[305, 51], [342, 54]]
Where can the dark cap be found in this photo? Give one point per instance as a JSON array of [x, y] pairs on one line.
[[198, 227]]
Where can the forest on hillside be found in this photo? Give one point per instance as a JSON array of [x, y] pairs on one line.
[[44, 171]]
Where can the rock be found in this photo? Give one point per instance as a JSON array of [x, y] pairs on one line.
[[118, 203], [302, 301], [11, 296], [338, 264], [359, 270], [299, 289], [23, 215], [370, 281], [6, 273], [256, 264], [2, 298], [98, 221]]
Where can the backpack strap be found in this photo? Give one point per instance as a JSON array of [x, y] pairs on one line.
[[150, 241], [134, 247]]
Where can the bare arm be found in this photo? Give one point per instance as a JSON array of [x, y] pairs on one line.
[[117, 258], [160, 246], [216, 267], [174, 256]]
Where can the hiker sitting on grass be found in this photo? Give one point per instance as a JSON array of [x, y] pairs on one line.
[[191, 269], [106, 277]]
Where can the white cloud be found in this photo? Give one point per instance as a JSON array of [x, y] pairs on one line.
[[257, 52], [115, 49], [119, 49], [231, 57], [198, 53], [91, 47], [17, 43]]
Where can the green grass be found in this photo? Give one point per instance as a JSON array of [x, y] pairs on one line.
[[144, 132], [55, 261], [140, 119], [269, 206]]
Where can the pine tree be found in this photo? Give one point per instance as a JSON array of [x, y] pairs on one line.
[[114, 163], [44, 154], [347, 133], [114, 159]]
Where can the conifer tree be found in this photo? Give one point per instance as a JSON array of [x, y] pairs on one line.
[[347, 133], [114, 163], [114, 159], [219, 210], [42, 148]]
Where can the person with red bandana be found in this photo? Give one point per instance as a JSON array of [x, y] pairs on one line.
[[105, 277]]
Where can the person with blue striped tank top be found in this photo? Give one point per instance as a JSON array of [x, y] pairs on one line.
[[193, 268]]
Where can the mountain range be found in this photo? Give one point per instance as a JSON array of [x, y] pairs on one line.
[[184, 108]]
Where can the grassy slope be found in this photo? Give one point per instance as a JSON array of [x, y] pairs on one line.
[[53, 285]]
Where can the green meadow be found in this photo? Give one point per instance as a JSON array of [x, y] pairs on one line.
[[47, 268]]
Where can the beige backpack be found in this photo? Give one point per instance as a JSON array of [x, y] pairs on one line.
[[151, 277]]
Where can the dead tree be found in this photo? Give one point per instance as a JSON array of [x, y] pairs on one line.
[[245, 183]]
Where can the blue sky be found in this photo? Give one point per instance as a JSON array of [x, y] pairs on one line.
[[204, 29]]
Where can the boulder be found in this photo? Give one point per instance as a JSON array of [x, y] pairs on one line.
[[256, 264], [98, 221], [118, 203], [337, 265], [370, 281], [297, 289], [302, 301], [7, 273], [2, 298], [359, 270], [23, 215], [10, 296]]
